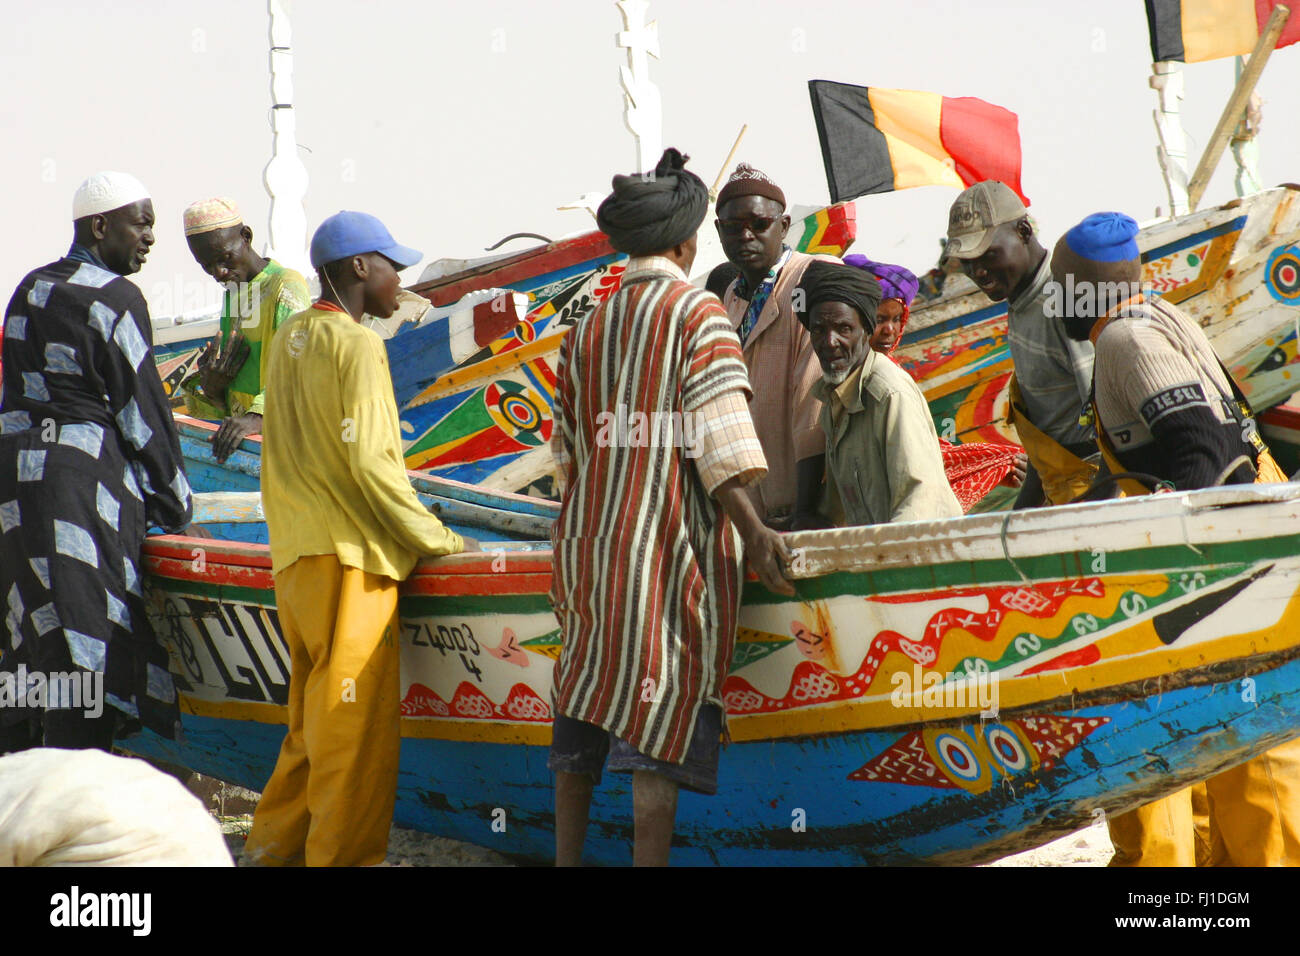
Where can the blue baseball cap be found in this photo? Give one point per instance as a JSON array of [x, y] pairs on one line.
[[356, 233]]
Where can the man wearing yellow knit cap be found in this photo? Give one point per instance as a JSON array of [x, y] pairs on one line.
[[260, 295]]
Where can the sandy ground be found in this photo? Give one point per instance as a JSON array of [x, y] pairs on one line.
[[1087, 847]]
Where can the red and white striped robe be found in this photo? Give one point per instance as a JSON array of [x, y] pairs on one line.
[[647, 565]]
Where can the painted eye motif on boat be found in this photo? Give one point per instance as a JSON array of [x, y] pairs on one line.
[[516, 410], [957, 757], [1282, 274], [1009, 751]]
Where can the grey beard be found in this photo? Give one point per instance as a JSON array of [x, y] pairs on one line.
[[836, 378]]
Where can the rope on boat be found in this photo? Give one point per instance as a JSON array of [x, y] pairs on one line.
[[1187, 535], [516, 235], [1006, 552]]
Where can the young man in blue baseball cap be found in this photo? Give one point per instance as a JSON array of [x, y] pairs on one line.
[[345, 528]]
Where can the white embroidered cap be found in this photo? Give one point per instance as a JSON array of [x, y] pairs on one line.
[[104, 192]]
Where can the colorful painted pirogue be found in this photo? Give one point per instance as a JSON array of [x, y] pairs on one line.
[[1236, 269], [1121, 674], [488, 421], [474, 383], [483, 414]]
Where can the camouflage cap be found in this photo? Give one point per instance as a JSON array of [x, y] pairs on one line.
[[975, 216]]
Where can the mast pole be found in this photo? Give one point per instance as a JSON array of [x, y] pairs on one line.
[[726, 163], [643, 109], [285, 176], [1232, 113], [1171, 151], [1245, 147]]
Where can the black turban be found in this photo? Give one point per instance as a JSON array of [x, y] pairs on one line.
[[836, 282], [645, 216]]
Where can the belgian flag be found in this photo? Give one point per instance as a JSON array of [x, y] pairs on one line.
[[875, 140], [1195, 30]]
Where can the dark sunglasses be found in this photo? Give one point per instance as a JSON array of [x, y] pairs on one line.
[[737, 227]]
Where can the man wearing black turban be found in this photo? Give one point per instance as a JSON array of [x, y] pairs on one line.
[[882, 452], [648, 214], [654, 448]]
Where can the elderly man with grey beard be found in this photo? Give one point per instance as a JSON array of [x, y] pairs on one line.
[[882, 453]]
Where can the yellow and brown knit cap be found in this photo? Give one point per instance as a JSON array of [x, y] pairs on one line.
[[1102, 248]]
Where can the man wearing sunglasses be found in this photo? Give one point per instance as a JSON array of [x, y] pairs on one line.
[[752, 224]]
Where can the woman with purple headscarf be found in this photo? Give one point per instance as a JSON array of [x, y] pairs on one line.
[[899, 287]]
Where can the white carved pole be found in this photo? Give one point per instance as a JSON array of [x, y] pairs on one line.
[[643, 112], [285, 176], [1245, 146], [1167, 81]]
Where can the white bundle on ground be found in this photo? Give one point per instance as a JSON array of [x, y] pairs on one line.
[[89, 808]]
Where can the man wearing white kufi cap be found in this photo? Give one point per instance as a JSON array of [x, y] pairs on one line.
[[89, 460]]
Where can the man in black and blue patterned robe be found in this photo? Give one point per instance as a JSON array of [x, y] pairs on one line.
[[89, 461]]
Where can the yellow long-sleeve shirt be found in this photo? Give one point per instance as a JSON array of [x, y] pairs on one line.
[[333, 477]]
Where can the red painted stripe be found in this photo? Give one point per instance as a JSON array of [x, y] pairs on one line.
[[180, 548], [988, 399], [558, 255], [1080, 658], [241, 554], [213, 572], [983, 141], [506, 584]]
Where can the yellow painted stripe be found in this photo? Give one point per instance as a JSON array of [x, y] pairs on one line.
[[1139, 655], [1217, 28], [482, 372], [910, 121]]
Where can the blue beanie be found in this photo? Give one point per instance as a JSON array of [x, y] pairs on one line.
[[1102, 248], [1105, 237]]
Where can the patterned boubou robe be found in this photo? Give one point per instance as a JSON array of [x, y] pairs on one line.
[[89, 460]]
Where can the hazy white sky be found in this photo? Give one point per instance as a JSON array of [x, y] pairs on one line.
[[458, 123]]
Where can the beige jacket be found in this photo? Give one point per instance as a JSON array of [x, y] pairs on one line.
[[882, 452], [782, 371]]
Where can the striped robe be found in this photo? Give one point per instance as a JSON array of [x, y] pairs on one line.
[[647, 565]]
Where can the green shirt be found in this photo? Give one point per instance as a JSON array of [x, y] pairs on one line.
[[258, 309]]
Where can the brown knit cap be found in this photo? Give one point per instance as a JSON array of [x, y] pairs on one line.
[[748, 181]]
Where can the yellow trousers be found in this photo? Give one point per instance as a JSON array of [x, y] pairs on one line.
[[330, 800], [1252, 812]]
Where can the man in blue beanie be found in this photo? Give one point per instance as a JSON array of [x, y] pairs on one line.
[[1165, 406]]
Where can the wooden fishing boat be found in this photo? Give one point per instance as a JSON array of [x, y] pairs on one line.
[[488, 420], [473, 365], [232, 500], [941, 692], [1235, 269]]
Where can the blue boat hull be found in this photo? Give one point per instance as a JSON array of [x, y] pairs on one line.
[[793, 803]]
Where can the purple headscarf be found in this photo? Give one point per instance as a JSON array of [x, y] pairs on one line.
[[895, 281]]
